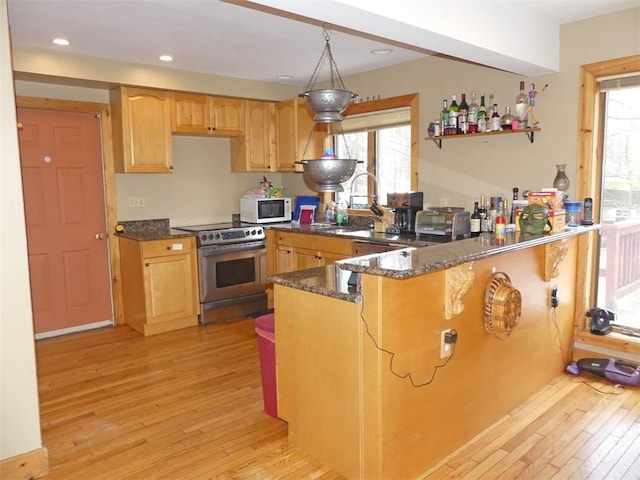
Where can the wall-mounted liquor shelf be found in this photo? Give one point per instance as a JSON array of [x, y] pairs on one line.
[[529, 132]]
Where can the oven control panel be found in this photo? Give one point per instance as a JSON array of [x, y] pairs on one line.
[[231, 235]]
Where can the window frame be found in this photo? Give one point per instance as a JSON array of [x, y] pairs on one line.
[[409, 100], [589, 184]]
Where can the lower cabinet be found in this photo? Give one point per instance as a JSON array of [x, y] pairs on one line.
[[159, 284], [289, 251]]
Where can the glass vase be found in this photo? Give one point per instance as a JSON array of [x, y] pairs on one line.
[[561, 182]]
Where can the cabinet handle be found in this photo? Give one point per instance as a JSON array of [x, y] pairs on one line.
[[168, 247], [146, 264]]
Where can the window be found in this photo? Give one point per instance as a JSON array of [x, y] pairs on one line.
[[386, 153], [618, 285], [592, 181], [383, 135]]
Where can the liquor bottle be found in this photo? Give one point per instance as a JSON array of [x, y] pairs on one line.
[[514, 199], [495, 119], [475, 221], [463, 110], [472, 116], [501, 222], [484, 214], [522, 102], [506, 121], [444, 118], [453, 116], [482, 116]]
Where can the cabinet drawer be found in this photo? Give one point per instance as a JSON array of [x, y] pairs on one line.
[[284, 238], [323, 243], [161, 248]]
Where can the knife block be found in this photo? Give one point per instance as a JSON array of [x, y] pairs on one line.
[[382, 223]]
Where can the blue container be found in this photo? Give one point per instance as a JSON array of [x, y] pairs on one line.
[[574, 213]]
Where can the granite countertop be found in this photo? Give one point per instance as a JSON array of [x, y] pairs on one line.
[[356, 233], [147, 230], [412, 261]]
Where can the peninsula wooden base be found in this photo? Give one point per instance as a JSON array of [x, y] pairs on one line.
[[363, 385]]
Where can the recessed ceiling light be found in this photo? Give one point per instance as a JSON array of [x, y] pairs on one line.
[[60, 41], [166, 58], [284, 77], [381, 51]]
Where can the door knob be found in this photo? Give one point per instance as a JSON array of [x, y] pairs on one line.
[[99, 236]]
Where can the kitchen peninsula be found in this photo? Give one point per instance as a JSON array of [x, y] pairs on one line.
[[365, 381]]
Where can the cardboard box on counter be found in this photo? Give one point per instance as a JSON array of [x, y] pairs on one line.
[[552, 199]]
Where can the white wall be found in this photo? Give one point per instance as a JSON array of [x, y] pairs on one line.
[[19, 413]]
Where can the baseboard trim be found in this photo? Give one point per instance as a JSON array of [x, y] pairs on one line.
[[29, 465], [76, 329]]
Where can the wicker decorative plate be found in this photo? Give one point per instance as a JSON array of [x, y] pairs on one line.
[[502, 306]]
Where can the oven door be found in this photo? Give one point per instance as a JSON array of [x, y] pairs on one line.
[[227, 273]]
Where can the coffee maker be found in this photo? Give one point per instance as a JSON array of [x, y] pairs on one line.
[[405, 206]]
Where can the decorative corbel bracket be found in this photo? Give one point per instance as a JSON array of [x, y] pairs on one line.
[[458, 282], [554, 253]]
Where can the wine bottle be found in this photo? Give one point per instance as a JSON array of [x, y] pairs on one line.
[[475, 221], [495, 119], [463, 110], [444, 118], [472, 116], [522, 101], [482, 117], [453, 116], [501, 222]]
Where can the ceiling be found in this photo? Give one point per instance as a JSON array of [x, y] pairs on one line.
[[262, 39]]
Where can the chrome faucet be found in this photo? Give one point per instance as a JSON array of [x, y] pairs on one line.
[[375, 180]]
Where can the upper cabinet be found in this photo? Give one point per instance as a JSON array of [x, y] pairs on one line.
[[207, 115], [255, 151], [141, 124], [295, 127]]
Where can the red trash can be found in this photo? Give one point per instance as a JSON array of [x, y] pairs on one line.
[[265, 328]]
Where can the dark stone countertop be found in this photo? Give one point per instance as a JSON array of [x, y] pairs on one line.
[[147, 230], [412, 261]]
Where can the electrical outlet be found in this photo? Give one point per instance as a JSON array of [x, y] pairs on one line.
[[445, 348], [136, 202]]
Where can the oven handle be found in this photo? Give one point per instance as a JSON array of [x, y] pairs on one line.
[[212, 250]]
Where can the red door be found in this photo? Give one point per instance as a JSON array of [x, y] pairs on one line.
[[62, 178]]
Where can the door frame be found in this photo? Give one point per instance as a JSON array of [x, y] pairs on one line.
[[104, 111], [589, 184]]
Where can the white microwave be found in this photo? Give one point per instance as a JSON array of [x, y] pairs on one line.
[[265, 210]]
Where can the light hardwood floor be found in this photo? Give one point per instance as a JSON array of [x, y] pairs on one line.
[[188, 405]]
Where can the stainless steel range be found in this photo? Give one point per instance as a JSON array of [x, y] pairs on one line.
[[232, 270]]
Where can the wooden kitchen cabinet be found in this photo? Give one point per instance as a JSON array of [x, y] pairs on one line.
[[294, 128], [141, 124], [159, 284], [197, 114], [256, 150], [290, 251]]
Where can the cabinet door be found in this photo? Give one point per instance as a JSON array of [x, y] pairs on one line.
[[284, 259], [328, 258], [255, 151], [190, 113], [308, 258], [141, 122], [169, 291], [228, 116], [297, 135]]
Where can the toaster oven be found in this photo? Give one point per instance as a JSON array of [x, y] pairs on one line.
[[452, 222]]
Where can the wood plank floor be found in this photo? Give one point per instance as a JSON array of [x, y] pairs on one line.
[[188, 405]]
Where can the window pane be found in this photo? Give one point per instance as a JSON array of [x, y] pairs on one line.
[[394, 160], [392, 163], [619, 279], [356, 147]]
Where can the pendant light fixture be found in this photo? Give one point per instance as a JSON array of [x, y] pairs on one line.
[[329, 172]]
